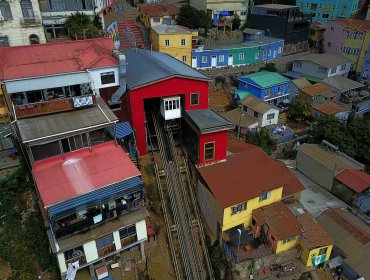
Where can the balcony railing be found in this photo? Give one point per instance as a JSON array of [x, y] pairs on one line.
[[81, 259], [53, 106], [88, 222], [29, 22]]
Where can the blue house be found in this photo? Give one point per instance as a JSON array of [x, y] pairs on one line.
[[323, 11], [268, 86], [365, 71]]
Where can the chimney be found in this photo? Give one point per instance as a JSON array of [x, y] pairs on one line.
[[122, 70]]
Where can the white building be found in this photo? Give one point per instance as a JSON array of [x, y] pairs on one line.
[[20, 23]]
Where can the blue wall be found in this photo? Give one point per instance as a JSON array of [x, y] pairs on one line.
[[365, 71], [270, 48], [261, 93]]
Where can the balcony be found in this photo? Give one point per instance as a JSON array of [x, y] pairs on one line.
[[54, 106], [30, 22], [81, 224]]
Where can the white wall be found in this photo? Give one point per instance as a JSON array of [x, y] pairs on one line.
[[141, 230], [117, 240], [62, 263], [265, 122], [343, 72], [95, 76], [18, 35], [91, 251]]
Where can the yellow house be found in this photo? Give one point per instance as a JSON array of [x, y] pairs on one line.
[[316, 243], [174, 40], [356, 41], [4, 112], [157, 14], [229, 192], [277, 226]]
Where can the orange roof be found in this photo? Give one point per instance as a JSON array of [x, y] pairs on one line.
[[280, 220], [329, 108], [159, 10], [55, 58], [357, 24], [313, 234], [356, 180], [245, 175], [317, 89]]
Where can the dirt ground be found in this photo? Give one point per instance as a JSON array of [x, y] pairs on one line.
[[4, 270], [219, 97]]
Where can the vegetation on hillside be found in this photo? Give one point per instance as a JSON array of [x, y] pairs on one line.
[[262, 139], [299, 110], [193, 18]]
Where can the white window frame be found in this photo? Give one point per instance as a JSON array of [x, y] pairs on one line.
[[221, 58], [270, 116], [183, 42], [264, 196], [204, 59], [238, 208], [184, 58], [167, 42], [241, 56]]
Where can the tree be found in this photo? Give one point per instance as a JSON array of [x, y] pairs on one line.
[[236, 22], [271, 67], [299, 110], [98, 23], [193, 18], [262, 139], [80, 26]]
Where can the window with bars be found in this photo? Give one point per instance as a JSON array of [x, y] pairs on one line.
[[167, 42], [27, 10], [238, 208], [209, 151], [183, 42], [4, 42], [5, 10], [264, 196]]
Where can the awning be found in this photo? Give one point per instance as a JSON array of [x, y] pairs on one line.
[[47, 82], [224, 13], [122, 130]]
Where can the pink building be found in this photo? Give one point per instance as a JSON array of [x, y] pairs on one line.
[[334, 37]]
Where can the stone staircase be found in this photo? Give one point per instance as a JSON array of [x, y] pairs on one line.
[[129, 34]]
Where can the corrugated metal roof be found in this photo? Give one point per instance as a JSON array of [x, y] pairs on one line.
[[301, 82], [170, 29], [83, 176], [265, 79], [342, 83], [242, 93], [122, 130], [257, 104], [356, 180], [207, 120], [317, 89], [146, 67], [330, 108], [54, 126], [47, 82], [326, 60], [246, 120]]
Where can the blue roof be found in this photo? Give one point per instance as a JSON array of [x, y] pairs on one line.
[[292, 74], [146, 67], [124, 187], [122, 130]]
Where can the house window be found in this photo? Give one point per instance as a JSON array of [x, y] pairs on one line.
[[328, 44], [255, 114], [298, 64], [184, 58], [270, 116], [257, 56], [128, 235], [281, 88], [194, 99], [332, 28], [204, 59], [34, 39], [183, 42], [253, 222], [75, 254], [167, 42], [242, 13], [107, 78], [156, 19], [105, 245], [209, 151], [323, 251], [5, 10], [238, 208], [288, 240], [4, 42], [280, 50], [221, 58], [321, 70], [241, 56], [333, 70], [27, 10], [264, 196]]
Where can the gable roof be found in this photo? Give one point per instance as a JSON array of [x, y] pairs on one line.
[[170, 29], [356, 180], [264, 79], [246, 176], [342, 83], [317, 89], [257, 104], [159, 10], [330, 108], [326, 60], [313, 234], [280, 220], [147, 67], [301, 82], [55, 58]]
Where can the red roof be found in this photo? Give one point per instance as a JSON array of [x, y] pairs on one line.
[[81, 172], [329, 108], [357, 24], [280, 220], [354, 179], [249, 173], [159, 10], [55, 58]]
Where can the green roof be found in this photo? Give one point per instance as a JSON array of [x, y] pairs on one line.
[[311, 78], [242, 93], [265, 79]]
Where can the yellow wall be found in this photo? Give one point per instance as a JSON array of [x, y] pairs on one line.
[[280, 247], [4, 112], [174, 49], [245, 217], [356, 60], [363, 52], [308, 254]]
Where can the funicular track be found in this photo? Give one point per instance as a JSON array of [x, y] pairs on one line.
[[185, 233]]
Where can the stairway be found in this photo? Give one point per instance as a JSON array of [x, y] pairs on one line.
[[129, 34]]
